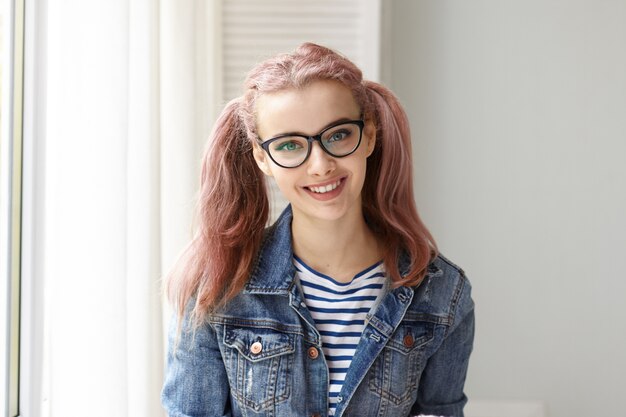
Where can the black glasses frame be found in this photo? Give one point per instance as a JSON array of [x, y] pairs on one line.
[[316, 138]]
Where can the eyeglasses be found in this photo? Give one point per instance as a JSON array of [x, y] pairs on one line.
[[292, 150]]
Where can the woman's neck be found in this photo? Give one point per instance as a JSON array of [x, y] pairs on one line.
[[339, 249]]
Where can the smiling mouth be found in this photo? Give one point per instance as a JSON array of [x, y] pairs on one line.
[[325, 188]]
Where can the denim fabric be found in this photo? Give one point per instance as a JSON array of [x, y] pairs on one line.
[[412, 357]]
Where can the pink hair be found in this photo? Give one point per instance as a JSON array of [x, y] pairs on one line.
[[233, 206]]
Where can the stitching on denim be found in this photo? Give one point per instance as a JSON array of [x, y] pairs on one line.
[[266, 324], [452, 264], [273, 368], [280, 357], [412, 316], [382, 368], [261, 324], [385, 329], [458, 290]]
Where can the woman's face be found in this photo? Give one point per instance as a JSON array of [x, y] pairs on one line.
[[323, 187]]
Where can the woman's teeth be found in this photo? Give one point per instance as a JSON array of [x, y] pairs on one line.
[[325, 189]]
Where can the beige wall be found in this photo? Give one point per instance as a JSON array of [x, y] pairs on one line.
[[518, 111]]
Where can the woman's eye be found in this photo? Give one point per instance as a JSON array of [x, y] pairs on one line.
[[337, 136], [288, 146]]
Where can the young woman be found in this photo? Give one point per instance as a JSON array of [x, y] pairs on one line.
[[343, 306]]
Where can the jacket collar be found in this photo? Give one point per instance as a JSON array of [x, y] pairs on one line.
[[274, 271]]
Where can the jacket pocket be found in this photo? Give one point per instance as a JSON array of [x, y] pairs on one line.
[[259, 362], [395, 374]]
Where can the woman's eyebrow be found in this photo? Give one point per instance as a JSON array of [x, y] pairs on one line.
[[340, 120]]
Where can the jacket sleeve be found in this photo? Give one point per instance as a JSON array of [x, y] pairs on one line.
[[440, 391], [196, 384]]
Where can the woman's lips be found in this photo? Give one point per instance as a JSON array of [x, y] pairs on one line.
[[325, 188], [326, 191]]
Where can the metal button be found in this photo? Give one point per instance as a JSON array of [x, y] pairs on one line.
[[408, 341], [313, 352], [256, 348]]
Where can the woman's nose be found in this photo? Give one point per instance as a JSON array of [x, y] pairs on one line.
[[320, 163]]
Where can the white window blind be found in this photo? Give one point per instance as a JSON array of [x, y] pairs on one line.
[[256, 29]]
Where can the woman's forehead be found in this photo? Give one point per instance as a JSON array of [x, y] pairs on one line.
[[305, 110]]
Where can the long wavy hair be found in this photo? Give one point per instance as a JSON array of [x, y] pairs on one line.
[[233, 206]]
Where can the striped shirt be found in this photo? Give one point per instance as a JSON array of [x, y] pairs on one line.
[[339, 310]]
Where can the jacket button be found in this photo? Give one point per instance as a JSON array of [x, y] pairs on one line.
[[408, 341], [256, 348], [313, 352]]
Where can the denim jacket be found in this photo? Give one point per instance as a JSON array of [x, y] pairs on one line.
[[261, 355]]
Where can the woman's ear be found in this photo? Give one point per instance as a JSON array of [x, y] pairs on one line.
[[261, 158], [369, 134]]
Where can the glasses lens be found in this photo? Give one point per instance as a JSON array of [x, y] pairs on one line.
[[289, 151], [342, 139]]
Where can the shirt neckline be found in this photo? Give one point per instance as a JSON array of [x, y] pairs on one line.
[[334, 281]]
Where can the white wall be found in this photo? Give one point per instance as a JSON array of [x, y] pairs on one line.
[[518, 111]]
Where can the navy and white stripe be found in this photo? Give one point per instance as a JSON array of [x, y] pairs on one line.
[[339, 310]]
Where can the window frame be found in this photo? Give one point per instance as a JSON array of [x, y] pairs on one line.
[[11, 168]]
